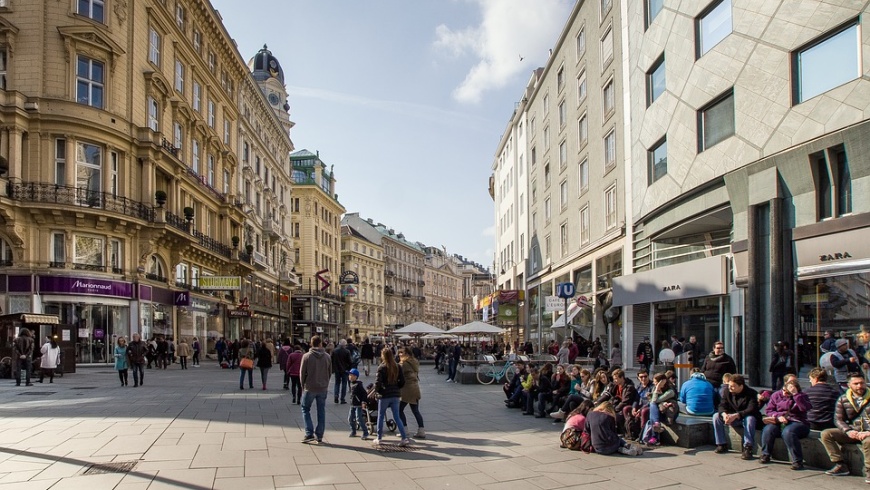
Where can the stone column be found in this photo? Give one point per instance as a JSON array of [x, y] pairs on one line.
[[14, 153]]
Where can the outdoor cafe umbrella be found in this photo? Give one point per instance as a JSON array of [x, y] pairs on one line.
[[476, 327], [417, 328]]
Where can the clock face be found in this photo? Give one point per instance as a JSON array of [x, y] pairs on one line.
[[273, 99]]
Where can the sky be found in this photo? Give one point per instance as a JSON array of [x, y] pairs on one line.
[[408, 99]]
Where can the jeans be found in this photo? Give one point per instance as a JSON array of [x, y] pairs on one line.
[[341, 381], [138, 373], [543, 398], [264, 373], [356, 419], [296, 387], [242, 378], [183, 362], [392, 403], [320, 400], [451, 369], [26, 365], [791, 436], [748, 424], [415, 409], [196, 358]]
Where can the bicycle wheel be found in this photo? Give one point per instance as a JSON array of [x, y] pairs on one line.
[[485, 374], [509, 374]]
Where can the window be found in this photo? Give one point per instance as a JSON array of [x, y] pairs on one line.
[[610, 207], [197, 41], [534, 222], [58, 249], [609, 98], [583, 172], [211, 113], [179, 76], [153, 110], [607, 48], [3, 68], [833, 180], [154, 47], [655, 81], [522, 203], [227, 131], [546, 138], [547, 247], [212, 62], [824, 189], [177, 136], [580, 42], [534, 155], [610, 149], [522, 245], [583, 130], [581, 87], [584, 225], [179, 16], [60, 162], [563, 114], [563, 155], [210, 177], [653, 7], [547, 211], [197, 96], [657, 158], [560, 79], [227, 182], [532, 127], [89, 82], [113, 174], [716, 121], [89, 181], [713, 26], [605, 6], [546, 103], [828, 63], [194, 164], [547, 175], [115, 255], [844, 183], [93, 9], [534, 191], [88, 251], [563, 194]]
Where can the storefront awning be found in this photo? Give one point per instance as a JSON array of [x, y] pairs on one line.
[[695, 279], [36, 318]]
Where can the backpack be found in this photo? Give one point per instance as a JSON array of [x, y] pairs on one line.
[[571, 439], [354, 358]]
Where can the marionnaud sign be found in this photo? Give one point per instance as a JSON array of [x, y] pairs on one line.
[[74, 285], [220, 283]]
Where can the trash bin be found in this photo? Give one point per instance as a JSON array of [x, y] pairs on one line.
[[683, 367]]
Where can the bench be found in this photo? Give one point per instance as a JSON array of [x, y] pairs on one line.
[[691, 431]]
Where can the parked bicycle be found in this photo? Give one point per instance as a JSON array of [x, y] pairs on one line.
[[487, 372]]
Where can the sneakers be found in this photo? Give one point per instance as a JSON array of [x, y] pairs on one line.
[[764, 459], [308, 438], [653, 441], [421, 433], [631, 451], [557, 415], [376, 442], [657, 428], [839, 469], [721, 449], [365, 437], [799, 465], [336, 399], [746, 454], [449, 381], [405, 442], [352, 434]]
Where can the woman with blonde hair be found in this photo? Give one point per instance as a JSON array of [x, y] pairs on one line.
[[601, 426], [390, 380]]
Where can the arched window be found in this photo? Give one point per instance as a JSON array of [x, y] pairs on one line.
[[156, 271]]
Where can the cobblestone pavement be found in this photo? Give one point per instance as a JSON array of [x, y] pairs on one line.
[[195, 429]]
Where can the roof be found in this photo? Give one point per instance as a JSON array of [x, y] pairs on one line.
[[383, 230], [303, 153]]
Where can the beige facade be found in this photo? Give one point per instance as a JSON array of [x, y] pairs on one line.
[[121, 130], [443, 290], [316, 231], [364, 312]]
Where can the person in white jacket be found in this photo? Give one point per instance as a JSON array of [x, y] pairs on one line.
[[50, 360]]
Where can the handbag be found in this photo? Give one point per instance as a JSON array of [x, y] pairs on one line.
[[246, 363]]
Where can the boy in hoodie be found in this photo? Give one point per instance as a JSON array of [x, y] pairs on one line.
[[358, 404]]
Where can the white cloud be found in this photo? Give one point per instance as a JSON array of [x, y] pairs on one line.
[[509, 30]]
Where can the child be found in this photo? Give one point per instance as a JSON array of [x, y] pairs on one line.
[[358, 405]]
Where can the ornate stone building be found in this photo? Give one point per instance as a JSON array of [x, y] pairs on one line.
[[443, 289], [364, 259]]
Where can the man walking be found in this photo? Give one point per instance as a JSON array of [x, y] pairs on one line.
[[367, 354], [23, 352], [341, 364], [455, 354], [645, 354], [136, 352], [314, 375]]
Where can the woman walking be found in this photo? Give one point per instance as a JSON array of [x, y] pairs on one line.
[[410, 393], [122, 364], [390, 381], [196, 352], [246, 364], [51, 359], [264, 361], [183, 352]]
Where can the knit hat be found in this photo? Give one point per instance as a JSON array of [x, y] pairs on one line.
[[841, 342]]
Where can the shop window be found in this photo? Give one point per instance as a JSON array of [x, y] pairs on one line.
[[712, 27], [827, 63], [90, 80]]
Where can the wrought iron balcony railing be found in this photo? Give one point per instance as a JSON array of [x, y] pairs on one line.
[[42, 192]]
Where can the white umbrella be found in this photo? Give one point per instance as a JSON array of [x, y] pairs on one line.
[[475, 327], [435, 336], [417, 328]]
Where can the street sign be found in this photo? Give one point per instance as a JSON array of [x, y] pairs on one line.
[[565, 290], [583, 302], [553, 303]]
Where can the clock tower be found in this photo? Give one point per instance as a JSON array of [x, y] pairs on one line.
[[269, 75]]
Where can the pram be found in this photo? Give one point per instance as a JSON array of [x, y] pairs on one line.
[[371, 412]]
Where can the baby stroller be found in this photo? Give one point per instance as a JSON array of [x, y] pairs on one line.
[[372, 412]]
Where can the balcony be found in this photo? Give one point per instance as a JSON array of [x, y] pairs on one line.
[[45, 193], [421, 283], [89, 267], [155, 277], [389, 273], [260, 260], [172, 150], [271, 229], [202, 180], [421, 299], [6, 263]]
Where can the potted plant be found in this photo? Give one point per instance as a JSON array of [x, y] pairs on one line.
[[160, 198], [188, 213], [235, 240], [249, 248]]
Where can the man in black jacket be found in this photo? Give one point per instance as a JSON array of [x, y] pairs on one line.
[[367, 353], [739, 406], [717, 364], [853, 426], [341, 363], [823, 397], [645, 354], [137, 352], [23, 352]]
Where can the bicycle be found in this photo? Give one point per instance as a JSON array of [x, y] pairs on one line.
[[488, 372]]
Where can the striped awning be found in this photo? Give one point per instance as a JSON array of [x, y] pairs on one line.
[[39, 319]]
